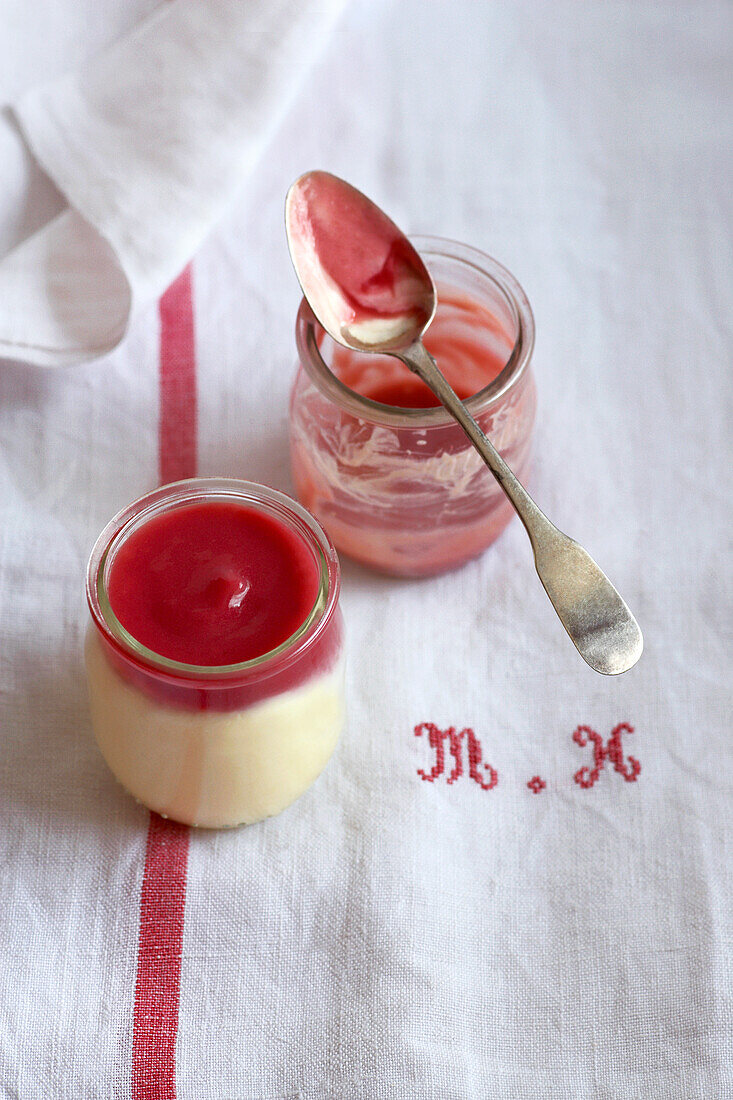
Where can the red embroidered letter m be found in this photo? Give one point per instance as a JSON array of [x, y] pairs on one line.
[[481, 773]]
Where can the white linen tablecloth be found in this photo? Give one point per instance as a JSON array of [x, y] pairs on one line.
[[389, 936]]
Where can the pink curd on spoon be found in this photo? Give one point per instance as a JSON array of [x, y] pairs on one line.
[[365, 280]]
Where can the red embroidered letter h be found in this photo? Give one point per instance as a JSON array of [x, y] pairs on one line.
[[613, 751]]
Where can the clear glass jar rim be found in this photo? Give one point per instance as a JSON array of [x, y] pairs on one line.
[[307, 329], [207, 489]]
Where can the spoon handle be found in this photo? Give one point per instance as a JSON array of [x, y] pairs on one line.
[[599, 623]]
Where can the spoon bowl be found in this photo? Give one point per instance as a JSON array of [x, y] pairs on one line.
[[371, 291]]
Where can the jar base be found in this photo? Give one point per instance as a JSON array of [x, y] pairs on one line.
[[405, 553]]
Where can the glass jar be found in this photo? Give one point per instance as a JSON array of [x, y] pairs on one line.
[[224, 745], [401, 489]]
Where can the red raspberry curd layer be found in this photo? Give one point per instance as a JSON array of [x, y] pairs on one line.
[[217, 584]]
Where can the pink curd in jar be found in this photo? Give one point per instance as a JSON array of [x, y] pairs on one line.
[[384, 468]]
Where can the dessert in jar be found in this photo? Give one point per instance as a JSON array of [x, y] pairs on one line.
[[215, 652], [379, 462]]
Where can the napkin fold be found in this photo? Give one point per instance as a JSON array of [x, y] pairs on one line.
[[148, 143]]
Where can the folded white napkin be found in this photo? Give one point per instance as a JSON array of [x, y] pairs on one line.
[[148, 143]]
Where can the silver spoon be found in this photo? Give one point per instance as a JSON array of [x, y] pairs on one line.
[[371, 292]]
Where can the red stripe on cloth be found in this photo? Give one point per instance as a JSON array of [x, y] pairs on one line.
[[157, 989], [177, 432], [163, 896]]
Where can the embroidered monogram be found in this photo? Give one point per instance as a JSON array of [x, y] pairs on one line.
[[449, 741]]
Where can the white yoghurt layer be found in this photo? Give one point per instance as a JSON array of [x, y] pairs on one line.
[[214, 768]]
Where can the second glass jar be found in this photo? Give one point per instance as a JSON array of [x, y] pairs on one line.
[[401, 489], [221, 745]]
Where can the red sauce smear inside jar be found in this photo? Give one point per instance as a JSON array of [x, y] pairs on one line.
[[468, 342]]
